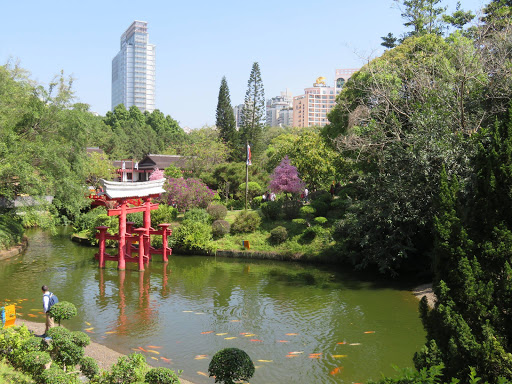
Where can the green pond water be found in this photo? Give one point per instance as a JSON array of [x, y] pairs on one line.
[[298, 323]]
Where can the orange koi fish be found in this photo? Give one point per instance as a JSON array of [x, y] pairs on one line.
[[110, 332], [142, 349], [336, 370], [355, 344], [283, 341], [86, 323], [221, 334], [202, 374], [295, 353], [151, 351], [257, 340], [230, 338], [154, 346], [88, 331], [342, 342], [370, 332], [206, 332], [315, 355], [289, 356], [339, 356], [31, 315], [266, 361], [154, 358], [166, 359], [200, 357], [244, 333], [291, 334], [234, 321], [249, 335]]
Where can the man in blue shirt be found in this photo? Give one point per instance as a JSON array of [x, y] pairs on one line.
[[46, 307]]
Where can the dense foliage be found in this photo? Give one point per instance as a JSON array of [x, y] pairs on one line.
[[187, 193], [230, 365]]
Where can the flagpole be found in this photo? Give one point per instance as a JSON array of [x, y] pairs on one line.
[[246, 173]]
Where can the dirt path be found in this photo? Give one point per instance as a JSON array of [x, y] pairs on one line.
[[105, 357]]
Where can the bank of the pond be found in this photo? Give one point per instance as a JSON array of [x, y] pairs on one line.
[[14, 251], [425, 290], [105, 356]]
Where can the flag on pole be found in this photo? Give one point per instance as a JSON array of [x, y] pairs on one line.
[[249, 155]]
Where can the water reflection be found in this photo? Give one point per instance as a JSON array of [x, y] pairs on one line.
[[195, 306]]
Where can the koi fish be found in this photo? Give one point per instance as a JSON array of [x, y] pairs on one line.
[[266, 361], [187, 311], [35, 310], [206, 332], [165, 359], [290, 356], [142, 349], [151, 351], [154, 346], [41, 313], [355, 344], [291, 334], [134, 349], [244, 333], [295, 353], [86, 323], [370, 332], [202, 374], [89, 329], [257, 340], [283, 341], [315, 355], [110, 332], [200, 357], [250, 335], [234, 321], [342, 342], [154, 358], [221, 334], [31, 315], [230, 338], [199, 313], [336, 370], [7, 300]]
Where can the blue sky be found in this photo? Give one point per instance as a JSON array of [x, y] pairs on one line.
[[198, 42]]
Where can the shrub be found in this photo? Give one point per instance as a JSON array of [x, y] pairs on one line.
[[322, 196], [235, 204], [34, 363], [128, 369], [320, 220], [307, 212], [291, 209], [9, 375], [192, 236], [172, 172], [11, 229], [300, 221], [278, 235], [63, 347], [256, 202], [162, 375], [164, 214], [271, 210], [253, 190], [230, 365], [320, 207], [217, 211], [220, 228], [63, 310], [56, 375], [89, 367], [246, 222], [311, 233], [187, 193], [11, 341], [80, 338], [197, 215], [87, 221]]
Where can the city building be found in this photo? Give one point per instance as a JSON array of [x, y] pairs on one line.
[[274, 107], [286, 117], [311, 108], [133, 70]]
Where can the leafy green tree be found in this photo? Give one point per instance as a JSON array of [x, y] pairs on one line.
[[225, 118], [253, 114], [422, 15], [459, 18]]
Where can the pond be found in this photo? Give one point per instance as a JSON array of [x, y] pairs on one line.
[[298, 323]]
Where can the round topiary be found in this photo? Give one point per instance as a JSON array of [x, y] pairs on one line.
[[63, 310], [320, 220], [35, 362], [230, 365], [81, 339], [217, 211], [89, 367], [220, 228], [162, 375], [56, 375], [246, 222], [307, 212], [278, 235]]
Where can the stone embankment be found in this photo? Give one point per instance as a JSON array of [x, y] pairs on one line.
[[14, 251]]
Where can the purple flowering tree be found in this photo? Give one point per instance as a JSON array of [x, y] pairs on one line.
[[157, 174], [285, 178], [185, 194]]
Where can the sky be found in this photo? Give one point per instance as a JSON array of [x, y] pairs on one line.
[[197, 43]]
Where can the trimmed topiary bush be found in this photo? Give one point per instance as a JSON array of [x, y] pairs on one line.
[[291, 209], [220, 228], [192, 236], [162, 375], [34, 363], [63, 310], [128, 369], [67, 348], [230, 365], [197, 215], [300, 221], [217, 211], [271, 210], [278, 235], [89, 367], [55, 375], [320, 220], [246, 222], [307, 212]]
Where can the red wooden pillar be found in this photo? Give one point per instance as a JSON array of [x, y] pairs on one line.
[[102, 239], [147, 244], [165, 233], [121, 264], [140, 232], [129, 241], [147, 214]]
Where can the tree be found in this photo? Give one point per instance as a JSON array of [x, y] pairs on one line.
[[422, 16], [225, 118], [459, 18], [285, 178], [389, 41], [253, 113]]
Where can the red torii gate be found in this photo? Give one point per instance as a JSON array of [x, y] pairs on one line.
[[119, 195]]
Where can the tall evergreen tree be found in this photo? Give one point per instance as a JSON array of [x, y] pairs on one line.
[[225, 118], [422, 15], [253, 113], [389, 41]]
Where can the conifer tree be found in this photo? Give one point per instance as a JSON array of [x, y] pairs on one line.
[[253, 113], [422, 15], [225, 118]]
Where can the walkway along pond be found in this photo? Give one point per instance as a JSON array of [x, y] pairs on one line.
[[298, 323]]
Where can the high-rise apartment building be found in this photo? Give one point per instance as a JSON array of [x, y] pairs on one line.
[[133, 70], [312, 108], [275, 105]]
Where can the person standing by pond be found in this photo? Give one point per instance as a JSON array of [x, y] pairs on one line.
[[49, 299]]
